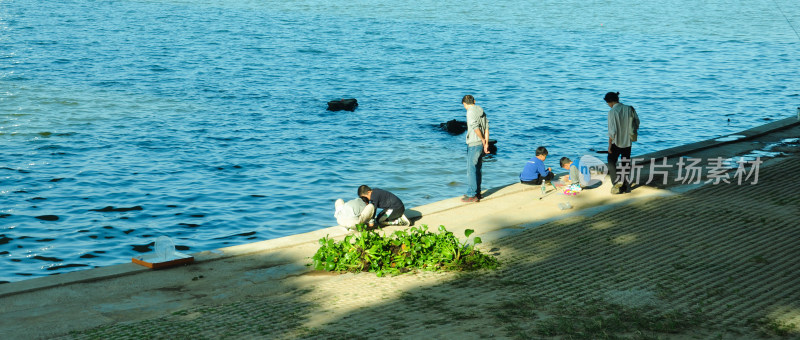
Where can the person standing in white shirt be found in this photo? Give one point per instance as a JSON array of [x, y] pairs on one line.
[[623, 127]]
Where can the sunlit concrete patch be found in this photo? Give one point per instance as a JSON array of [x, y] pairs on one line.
[[786, 318], [589, 203], [348, 293], [624, 239], [600, 225]]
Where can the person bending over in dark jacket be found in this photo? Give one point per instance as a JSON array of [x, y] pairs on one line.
[[392, 207]]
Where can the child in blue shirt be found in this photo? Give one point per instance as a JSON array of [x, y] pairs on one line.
[[534, 171]]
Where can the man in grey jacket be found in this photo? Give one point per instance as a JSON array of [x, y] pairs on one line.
[[477, 145], [623, 127]]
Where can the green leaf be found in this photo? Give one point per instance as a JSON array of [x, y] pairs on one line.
[[468, 232], [477, 240]]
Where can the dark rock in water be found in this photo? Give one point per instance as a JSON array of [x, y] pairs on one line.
[[454, 127], [143, 248], [45, 258], [457, 127], [344, 104], [48, 217], [110, 209]]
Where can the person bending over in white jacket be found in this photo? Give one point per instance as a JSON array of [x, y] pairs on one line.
[[354, 212]]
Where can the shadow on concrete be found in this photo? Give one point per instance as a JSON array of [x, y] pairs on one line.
[[413, 215], [492, 191], [704, 261]]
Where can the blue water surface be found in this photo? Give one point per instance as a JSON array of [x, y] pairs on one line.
[[206, 121]]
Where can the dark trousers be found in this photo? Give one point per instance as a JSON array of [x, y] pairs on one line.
[[539, 180], [615, 153], [396, 213]]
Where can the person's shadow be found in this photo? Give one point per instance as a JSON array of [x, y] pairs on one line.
[[491, 191], [412, 215], [593, 186]]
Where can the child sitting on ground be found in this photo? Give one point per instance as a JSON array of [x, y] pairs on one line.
[[534, 171], [574, 177], [393, 208]]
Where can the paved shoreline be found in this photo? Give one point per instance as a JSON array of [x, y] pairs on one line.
[[265, 290]]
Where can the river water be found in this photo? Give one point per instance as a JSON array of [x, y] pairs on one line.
[[206, 121]]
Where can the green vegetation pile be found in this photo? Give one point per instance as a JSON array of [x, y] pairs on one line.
[[400, 252]]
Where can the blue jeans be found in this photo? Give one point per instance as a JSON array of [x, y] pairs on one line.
[[474, 164]]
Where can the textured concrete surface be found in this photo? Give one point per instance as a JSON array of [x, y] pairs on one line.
[[695, 261]]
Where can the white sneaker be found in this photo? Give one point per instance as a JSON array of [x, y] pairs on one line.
[[401, 221]]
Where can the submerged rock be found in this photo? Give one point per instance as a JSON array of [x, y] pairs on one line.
[[344, 104], [110, 209], [45, 258], [143, 248], [454, 127]]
